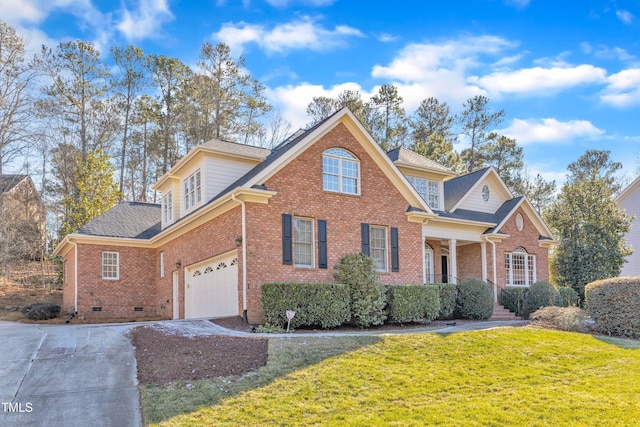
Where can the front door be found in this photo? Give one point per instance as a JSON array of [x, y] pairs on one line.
[[445, 269]]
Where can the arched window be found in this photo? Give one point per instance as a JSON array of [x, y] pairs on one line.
[[340, 171], [428, 263], [520, 268]]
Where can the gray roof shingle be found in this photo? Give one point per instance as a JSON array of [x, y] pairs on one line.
[[237, 148], [403, 155], [7, 182], [133, 220], [456, 188]]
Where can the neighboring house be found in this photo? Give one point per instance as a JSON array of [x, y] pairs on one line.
[[22, 223], [295, 211], [629, 200]]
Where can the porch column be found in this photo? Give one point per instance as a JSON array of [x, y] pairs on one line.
[[495, 274], [483, 249], [453, 274]]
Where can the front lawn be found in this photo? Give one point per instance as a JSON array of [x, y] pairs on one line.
[[520, 376]]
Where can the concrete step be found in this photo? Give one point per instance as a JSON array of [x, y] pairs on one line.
[[501, 313]]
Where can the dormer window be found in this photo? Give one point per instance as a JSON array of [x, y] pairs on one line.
[[428, 189], [192, 190], [167, 208], [340, 171]]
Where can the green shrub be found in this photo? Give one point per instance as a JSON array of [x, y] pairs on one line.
[[513, 299], [447, 293], [613, 305], [41, 311], [316, 304], [572, 319], [542, 294], [411, 303], [368, 298], [474, 299], [568, 297]]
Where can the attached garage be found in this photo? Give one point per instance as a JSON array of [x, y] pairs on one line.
[[211, 287]]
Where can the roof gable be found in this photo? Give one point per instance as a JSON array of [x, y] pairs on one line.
[[8, 182], [628, 190], [403, 157], [466, 191], [510, 207]]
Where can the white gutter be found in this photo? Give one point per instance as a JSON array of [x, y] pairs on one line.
[[244, 254]]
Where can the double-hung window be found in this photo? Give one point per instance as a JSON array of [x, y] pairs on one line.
[[340, 171], [303, 242], [167, 208], [428, 189], [192, 190], [379, 247], [110, 265], [520, 268]]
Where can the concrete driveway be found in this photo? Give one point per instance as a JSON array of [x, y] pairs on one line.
[[67, 375]]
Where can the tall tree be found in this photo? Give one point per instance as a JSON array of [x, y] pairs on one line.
[[253, 108], [506, 157], [17, 76], [588, 224], [78, 80], [168, 75], [391, 123], [597, 165], [129, 80], [97, 191], [476, 122], [433, 133], [322, 107], [540, 192]]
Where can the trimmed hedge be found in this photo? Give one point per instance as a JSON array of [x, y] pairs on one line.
[[41, 311], [513, 300], [568, 297], [447, 293], [411, 303], [474, 299], [316, 304], [542, 294], [614, 305]]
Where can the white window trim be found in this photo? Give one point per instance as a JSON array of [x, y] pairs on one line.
[[425, 196], [191, 193], [429, 268], [313, 255], [167, 208], [162, 264], [117, 265], [527, 268], [386, 246], [340, 176]]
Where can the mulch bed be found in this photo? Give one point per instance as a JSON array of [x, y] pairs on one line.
[[163, 358]]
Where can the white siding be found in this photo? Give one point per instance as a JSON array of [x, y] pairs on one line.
[[475, 202], [631, 204], [220, 173]]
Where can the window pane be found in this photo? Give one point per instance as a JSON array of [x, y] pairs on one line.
[[330, 182], [110, 265], [330, 165], [339, 152], [303, 242], [434, 194], [518, 269], [379, 247], [349, 185]]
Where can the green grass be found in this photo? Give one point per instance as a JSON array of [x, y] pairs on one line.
[[495, 377]]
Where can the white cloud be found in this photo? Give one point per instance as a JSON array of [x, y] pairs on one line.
[[550, 130], [18, 12], [300, 34], [539, 80], [293, 100], [623, 89], [386, 38], [625, 16], [146, 20]]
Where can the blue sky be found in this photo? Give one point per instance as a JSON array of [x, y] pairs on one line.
[[566, 72]]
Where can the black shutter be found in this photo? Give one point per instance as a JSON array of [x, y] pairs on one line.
[[322, 243], [365, 239], [287, 240], [395, 260]]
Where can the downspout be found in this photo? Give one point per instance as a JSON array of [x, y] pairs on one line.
[[495, 275], [75, 276], [244, 256]]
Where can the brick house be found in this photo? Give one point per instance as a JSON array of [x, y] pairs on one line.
[[295, 211]]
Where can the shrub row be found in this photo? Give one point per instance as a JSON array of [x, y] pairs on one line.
[[412, 303], [41, 311], [523, 301], [613, 305], [316, 304], [474, 299], [513, 300], [448, 292]]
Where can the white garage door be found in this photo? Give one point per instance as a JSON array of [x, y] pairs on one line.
[[212, 287]]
